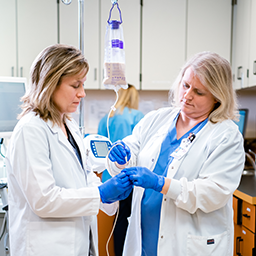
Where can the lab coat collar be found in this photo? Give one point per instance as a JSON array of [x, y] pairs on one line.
[[164, 129], [53, 128]]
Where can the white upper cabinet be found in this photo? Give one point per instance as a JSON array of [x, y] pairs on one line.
[[163, 42], [8, 65], [25, 31], [209, 27], [159, 36], [173, 31], [244, 44], [130, 11], [68, 23], [37, 29], [70, 34], [92, 42], [252, 55], [241, 37]]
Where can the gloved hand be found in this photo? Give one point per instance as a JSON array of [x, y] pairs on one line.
[[143, 177], [117, 188], [119, 153]]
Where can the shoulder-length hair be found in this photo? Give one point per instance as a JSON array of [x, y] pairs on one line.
[[215, 74], [47, 71], [127, 98]]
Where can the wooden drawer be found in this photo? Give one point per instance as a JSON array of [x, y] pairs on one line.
[[248, 242], [248, 216]]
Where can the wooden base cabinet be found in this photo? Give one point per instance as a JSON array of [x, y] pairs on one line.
[[244, 228], [105, 225]]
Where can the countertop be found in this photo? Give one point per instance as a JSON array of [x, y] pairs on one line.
[[247, 189]]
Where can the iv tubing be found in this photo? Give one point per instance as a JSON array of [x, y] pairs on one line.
[[1, 151], [114, 224], [117, 213], [112, 109]]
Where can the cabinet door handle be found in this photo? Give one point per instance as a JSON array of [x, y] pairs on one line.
[[247, 216], [95, 74], [254, 67], [238, 240], [239, 73]]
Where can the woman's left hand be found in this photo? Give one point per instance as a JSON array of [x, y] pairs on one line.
[[143, 177], [117, 188]]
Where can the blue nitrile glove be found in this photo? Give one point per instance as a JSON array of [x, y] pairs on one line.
[[143, 177], [117, 188], [119, 153]]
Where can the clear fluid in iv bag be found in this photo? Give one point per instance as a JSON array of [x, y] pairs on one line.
[[114, 73]]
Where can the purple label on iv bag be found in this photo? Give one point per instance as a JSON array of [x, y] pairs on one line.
[[116, 43]]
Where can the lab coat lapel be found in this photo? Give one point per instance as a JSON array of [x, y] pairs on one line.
[[160, 136], [162, 132], [77, 136], [62, 139]]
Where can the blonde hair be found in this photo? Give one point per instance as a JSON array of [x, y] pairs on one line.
[[215, 74], [127, 98], [50, 66]]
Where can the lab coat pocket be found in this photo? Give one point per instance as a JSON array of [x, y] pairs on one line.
[[51, 238], [206, 246]]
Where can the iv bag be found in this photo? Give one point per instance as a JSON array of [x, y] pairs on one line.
[[114, 58]]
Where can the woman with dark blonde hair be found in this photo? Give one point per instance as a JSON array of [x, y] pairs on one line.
[[53, 196], [185, 163]]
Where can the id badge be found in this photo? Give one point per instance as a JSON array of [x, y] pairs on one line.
[[183, 147]]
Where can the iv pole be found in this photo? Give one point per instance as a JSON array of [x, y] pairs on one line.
[[81, 47]]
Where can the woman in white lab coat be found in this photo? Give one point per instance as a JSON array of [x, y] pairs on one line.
[[53, 196], [185, 162]]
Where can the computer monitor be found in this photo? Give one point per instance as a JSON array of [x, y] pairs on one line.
[[11, 90], [242, 123]]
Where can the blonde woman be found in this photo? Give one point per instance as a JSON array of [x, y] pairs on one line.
[[121, 124], [186, 162], [123, 120], [53, 196]]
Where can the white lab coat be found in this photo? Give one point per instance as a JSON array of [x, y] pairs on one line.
[[198, 206], [53, 201]]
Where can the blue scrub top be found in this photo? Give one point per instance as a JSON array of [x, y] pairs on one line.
[[152, 200], [120, 126]]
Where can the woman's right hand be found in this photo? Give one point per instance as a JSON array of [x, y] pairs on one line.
[[120, 153]]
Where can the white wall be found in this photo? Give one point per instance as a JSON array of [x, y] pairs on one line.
[[98, 103]]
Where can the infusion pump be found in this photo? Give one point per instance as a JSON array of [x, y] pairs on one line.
[[96, 148]]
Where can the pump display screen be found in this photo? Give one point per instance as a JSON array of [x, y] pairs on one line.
[[101, 148]]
